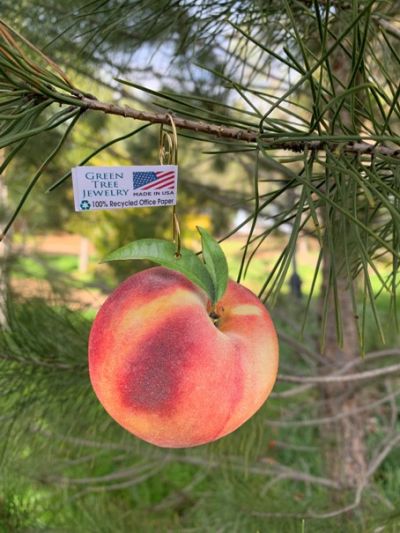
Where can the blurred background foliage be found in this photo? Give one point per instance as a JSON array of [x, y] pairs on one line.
[[268, 67]]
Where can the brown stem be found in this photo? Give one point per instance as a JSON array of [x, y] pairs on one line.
[[367, 374], [327, 420], [226, 132]]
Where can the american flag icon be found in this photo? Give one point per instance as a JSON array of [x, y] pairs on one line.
[[154, 180]]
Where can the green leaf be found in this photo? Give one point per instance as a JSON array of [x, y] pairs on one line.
[[215, 262], [164, 253]]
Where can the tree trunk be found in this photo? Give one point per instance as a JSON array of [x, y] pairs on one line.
[[345, 450]]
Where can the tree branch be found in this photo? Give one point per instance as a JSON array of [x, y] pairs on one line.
[[368, 374], [291, 392], [330, 514], [268, 468], [330, 419], [380, 457], [232, 133]]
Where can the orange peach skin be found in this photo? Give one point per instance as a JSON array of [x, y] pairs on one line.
[[166, 373]]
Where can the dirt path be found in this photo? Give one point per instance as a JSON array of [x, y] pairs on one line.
[[58, 243], [76, 298]]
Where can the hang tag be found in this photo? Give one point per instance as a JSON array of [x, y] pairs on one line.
[[124, 187]]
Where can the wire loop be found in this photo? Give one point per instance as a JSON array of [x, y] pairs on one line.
[[168, 154], [168, 144]]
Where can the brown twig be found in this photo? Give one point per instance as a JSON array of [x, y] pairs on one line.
[[330, 514], [227, 132], [270, 468], [83, 442], [164, 118], [290, 446], [291, 392], [367, 374], [113, 476], [390, 352], [380, 457], [329, 419], [119, 486]]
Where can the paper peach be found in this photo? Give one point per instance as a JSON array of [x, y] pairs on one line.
[[167, 373]]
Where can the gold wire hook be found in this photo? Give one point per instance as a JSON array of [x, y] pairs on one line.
[[176, 232], [169, 156]]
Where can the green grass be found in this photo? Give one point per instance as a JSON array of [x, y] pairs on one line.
[[62, 268], [39, 265]]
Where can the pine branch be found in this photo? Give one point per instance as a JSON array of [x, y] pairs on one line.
[[331, 514], [232, 133], [295, 391], [267, 469], [359, 376], [329, 419], [381, 456]]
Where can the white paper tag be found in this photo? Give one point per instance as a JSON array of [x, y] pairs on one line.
[[123, 187]]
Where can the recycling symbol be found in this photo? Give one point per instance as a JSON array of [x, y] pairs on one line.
[[85, 205]]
